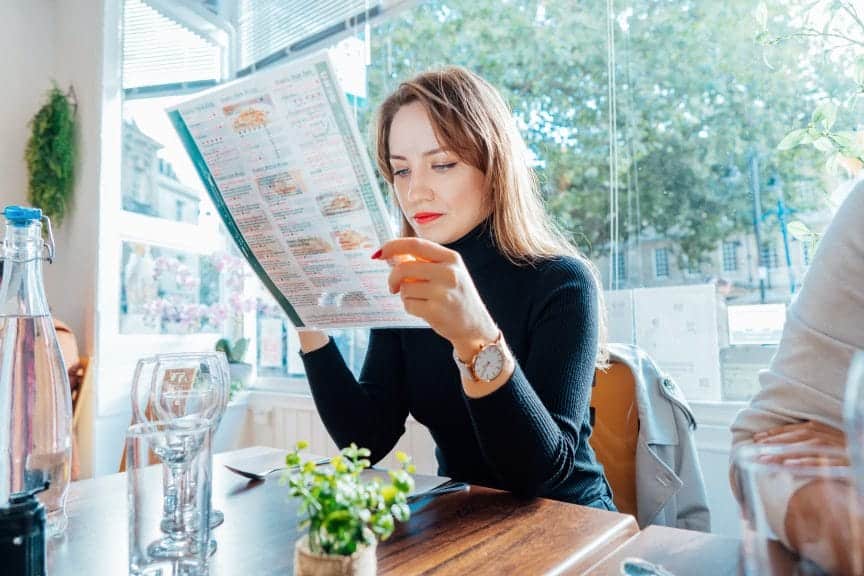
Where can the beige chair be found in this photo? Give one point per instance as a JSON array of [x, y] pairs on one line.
[[76, 367], [616, 431], [644, 438]]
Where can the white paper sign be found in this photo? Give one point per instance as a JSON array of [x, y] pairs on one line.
[[678, 327]]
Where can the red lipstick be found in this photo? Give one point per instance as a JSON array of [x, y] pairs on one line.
[[426, 217]]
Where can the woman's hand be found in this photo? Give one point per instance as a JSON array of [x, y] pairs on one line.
[[437, 287], [311, 340]]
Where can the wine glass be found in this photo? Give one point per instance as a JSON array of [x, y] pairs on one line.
[[180, 445], [142, 412], [191, 384], [853, 416], [142, 380]]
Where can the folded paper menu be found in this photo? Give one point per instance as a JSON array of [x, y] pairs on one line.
[[280, 155]]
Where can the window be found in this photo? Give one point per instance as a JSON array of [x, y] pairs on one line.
[[271, 30], [768, 255], [638, 158], [180, 272], [180, 277], [661, 263], [730, 256], [164, 52], [805, 252], [621, 266]]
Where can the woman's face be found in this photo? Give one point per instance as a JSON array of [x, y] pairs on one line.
[[441, 196]]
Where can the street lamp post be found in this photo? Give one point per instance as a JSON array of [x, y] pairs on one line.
[[783, 212], [753, 162]]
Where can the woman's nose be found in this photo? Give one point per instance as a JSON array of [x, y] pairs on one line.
[[419, 187]]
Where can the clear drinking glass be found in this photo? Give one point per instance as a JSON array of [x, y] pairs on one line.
[[853, 415], [142, 381], [142, 411], [191, 384], [768, 477], [182, 446]]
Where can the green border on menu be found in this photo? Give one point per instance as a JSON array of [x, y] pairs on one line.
[[228, 219]]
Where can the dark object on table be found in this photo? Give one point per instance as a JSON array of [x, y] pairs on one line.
[[22, 535]]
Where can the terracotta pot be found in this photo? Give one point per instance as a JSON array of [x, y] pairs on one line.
[[361, 563]]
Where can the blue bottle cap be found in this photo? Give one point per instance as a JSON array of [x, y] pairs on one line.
[[21, 215]]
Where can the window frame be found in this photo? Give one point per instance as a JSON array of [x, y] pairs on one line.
[[662, 267], [730, 255]]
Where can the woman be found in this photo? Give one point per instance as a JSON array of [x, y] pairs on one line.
[[503, 378]]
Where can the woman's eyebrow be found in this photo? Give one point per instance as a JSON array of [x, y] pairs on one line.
[[427, 153]]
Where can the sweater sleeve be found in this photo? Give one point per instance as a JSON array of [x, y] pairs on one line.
[[371, 412], [529, 428]]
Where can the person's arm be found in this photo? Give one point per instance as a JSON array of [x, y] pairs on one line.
[[805, 381], [371, 412], [311, 340], [529, 427], [807, 375], [823, 519], [825, 523]]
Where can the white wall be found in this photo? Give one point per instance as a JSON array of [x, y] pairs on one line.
[[43, 41], [27, 67], [71, 281]]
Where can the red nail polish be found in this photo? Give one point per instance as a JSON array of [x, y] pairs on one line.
[[376, 255]]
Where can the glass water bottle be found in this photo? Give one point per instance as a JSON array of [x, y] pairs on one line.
[[34, 384]]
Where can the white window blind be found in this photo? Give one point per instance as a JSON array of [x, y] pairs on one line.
[[268, 27], [160, 51]]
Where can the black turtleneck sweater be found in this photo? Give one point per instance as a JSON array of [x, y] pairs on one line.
[[530, 436]]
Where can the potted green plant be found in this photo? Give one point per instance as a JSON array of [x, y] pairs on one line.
[[51, 155], [241, 372], [345, 515]]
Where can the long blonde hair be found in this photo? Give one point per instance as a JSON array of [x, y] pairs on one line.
[[472, 120]]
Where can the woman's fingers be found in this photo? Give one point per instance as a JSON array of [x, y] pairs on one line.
[[413, 272], [417, 247], [422, 291]]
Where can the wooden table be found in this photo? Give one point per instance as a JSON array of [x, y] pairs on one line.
[[480, 531]]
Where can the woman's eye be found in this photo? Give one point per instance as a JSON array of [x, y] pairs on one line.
[[444, 167], [400, 172]]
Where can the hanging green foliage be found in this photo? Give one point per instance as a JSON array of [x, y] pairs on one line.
[[51, 154]]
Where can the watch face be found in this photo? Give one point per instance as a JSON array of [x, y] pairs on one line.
[[489, 363]]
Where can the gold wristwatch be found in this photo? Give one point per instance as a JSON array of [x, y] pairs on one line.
[[486, 365]]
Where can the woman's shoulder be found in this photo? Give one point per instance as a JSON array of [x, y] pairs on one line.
[[558, 270]]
